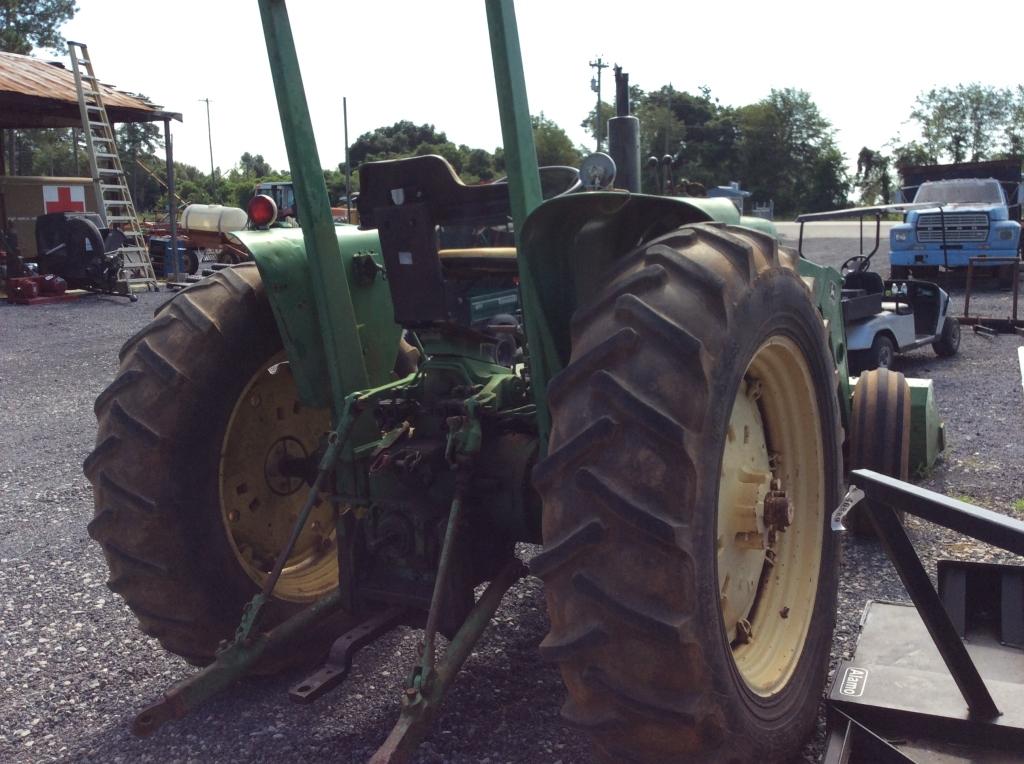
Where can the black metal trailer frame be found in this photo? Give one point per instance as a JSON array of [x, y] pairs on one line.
[[893, 701]]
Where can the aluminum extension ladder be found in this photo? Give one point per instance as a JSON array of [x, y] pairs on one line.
[[113, 199]]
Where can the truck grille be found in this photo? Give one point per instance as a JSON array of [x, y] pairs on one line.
[[960, 227]]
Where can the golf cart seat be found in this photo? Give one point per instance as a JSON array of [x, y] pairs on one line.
[[869, 281], [862, 295]]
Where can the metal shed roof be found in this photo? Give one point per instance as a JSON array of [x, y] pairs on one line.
[[37, 93]]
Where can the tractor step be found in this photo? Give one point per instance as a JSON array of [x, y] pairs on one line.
[[339, 662]]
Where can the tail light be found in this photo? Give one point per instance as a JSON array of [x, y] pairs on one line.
[[262, 211]]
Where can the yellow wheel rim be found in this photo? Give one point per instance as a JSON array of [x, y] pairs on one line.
[[268, 437], [770, 516]]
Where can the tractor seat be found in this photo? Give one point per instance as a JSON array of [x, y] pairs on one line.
[[406, 200], [480, 260], [431, 181]]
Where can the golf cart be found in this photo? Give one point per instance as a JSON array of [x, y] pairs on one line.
[[886, 317]]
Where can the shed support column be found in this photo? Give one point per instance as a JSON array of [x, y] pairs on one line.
[[172, 206]]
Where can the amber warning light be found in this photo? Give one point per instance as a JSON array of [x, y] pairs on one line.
[[262, 211]]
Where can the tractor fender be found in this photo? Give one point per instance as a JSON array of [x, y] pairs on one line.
[[280, 255], [569, 242], [567, 247]]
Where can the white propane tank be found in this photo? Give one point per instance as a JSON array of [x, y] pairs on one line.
[[215, 218]]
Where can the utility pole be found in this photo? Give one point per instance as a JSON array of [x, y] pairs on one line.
[[595, 85], [209, 137]]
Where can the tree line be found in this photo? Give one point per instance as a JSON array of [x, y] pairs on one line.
[[964, 123], [780, 148]]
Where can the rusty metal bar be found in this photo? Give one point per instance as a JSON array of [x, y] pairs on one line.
[[1010, 324], [967, 288], [1016, 288], [441, 579], [231, 665], [420, 705]]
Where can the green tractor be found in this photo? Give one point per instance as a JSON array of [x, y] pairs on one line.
[[669, 424]]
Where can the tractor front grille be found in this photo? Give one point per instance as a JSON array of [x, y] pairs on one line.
[[960, 227]]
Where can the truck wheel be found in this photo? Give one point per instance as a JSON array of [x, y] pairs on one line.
[[899, 272], [194, 471], [879, 433], [696, 418], [948, 342], [190, 261]]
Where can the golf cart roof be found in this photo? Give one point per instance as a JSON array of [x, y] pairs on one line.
[[860, 212]]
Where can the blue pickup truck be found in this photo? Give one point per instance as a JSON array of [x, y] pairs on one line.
[[972, 212]]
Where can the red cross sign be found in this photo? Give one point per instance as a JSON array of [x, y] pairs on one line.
[[64, 198]]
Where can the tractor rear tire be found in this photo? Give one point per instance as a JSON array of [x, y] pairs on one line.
[[879, 433], [698, 377], [176, 428]]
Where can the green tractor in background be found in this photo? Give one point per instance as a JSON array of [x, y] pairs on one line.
[[670, 426]]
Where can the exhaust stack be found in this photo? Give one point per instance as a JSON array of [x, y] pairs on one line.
[[624, 137]]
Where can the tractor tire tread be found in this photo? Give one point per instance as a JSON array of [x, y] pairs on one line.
[[880, 421], [168, 371], [125, 379], [138, 519], [584, 638], [647, 705], [617, 500], [713, 285], [587, 719], [159, 324], [619, 605], [595, 435], [737, 251], [126, 497], [557, 553], [604, 612], [652, 275]]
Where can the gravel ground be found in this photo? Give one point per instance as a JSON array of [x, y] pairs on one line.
[[74, 669]]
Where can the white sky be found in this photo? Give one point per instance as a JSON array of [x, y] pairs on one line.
[[429, 62]]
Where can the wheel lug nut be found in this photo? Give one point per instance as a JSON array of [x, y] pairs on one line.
[[778, 510]]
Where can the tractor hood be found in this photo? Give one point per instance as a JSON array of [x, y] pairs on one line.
[[994, 211]]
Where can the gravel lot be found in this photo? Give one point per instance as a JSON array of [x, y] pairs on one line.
[[74, 669]]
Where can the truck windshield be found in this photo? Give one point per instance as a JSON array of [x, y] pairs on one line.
[[960, 191]]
